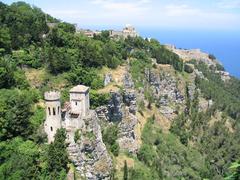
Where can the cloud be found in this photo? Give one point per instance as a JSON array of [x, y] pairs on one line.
[[133, 6], [67, 13], [180, 10], [150, 13], [229, 4]]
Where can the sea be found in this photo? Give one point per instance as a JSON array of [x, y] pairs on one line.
[[224, 45]]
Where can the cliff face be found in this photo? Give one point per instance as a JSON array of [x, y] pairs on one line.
[[165, 95], [89, 153]]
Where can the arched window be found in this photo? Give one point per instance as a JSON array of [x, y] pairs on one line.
[[51, 128], [58, 109], [49, 111], [54, 111], [76, 103]]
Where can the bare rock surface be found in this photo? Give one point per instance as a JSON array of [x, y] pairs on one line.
[[89, 153], [115, 107], [164, 88], [107, 79]]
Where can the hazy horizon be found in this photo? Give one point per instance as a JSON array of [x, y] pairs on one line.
[[184, 14]]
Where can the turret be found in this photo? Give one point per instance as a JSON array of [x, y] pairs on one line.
[[53, 114], [79, 98]]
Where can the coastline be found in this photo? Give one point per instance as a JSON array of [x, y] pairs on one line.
[[224, 45]]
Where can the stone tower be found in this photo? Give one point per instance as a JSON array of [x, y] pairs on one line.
[[53, 114], [79, 98]]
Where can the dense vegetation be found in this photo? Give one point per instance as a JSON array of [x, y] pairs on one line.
[[168, 157], [29, 42]]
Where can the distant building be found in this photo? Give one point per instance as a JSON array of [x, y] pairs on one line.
[[71, 117], [127, 31], [115, 34], [89, 33]]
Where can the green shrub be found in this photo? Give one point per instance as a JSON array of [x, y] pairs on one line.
[[110, 135], [97, 99], [77, 136]]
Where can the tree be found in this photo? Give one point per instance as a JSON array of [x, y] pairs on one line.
[[125, 171], [57, 158], [97, 99], [15, 114], [6, 73], [5, 39], [19, 159], [110, 135], [59, 60], [24, 23]]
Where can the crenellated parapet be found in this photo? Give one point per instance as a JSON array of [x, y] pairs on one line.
[[52, 96], [71, 117]]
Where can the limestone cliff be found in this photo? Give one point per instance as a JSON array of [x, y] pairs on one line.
[[89, 153], [164, 94]]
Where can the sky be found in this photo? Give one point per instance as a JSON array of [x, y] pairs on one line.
[[168, 14]]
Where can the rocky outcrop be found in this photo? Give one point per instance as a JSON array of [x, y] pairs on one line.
[[130, 100], [122, 109], [127, 136], [89, 153], [168, 112], [128, 82], [225, 76], [189, 54], [115, 107], [164, 88], [107, 79], [102, 113], [191, 90]]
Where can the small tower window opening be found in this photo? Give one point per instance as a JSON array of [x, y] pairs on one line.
[[49, 111], [58, 109], [54, 111], [76, 103], [51, 128]]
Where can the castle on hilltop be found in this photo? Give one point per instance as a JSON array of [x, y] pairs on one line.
[[71, 117], [128, 31]]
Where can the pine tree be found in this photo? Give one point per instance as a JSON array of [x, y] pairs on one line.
[[57, 154]]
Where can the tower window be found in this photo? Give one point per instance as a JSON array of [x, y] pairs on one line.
[[76, 103], [58, 109], [49, 111], [51, 128], [54, 111]]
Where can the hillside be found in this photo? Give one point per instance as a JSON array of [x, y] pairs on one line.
[[157, 112]]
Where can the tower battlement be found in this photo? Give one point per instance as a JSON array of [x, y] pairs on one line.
[[52, 95], [71, 117]]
